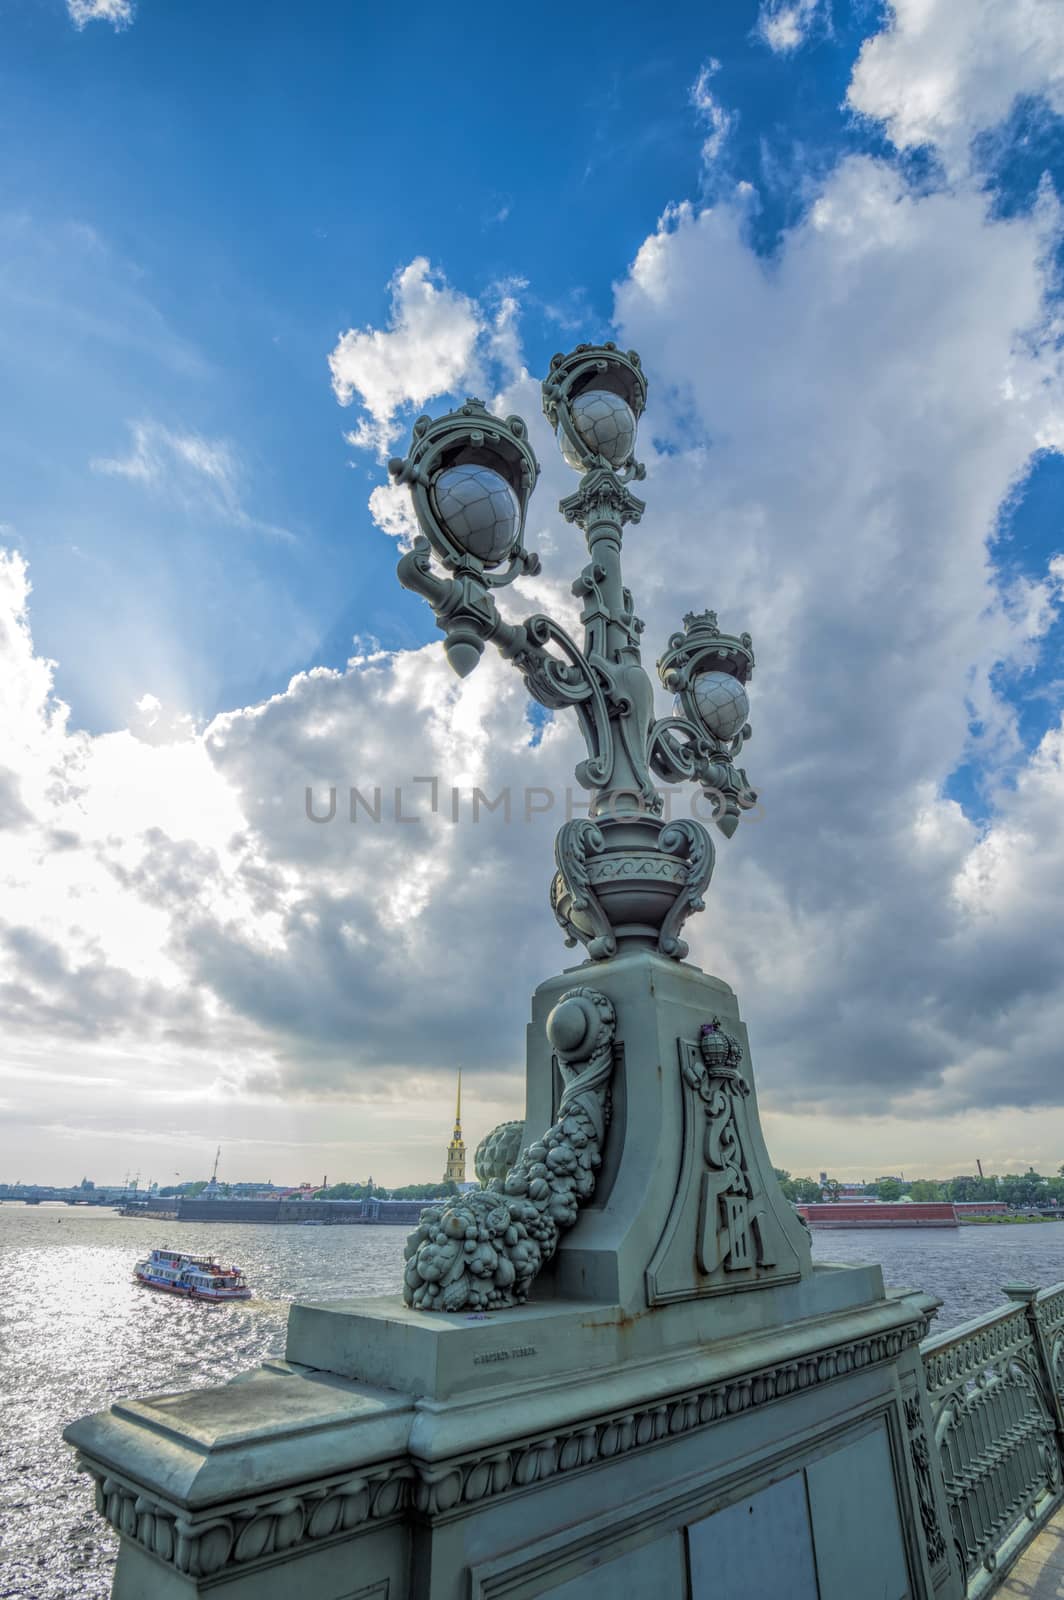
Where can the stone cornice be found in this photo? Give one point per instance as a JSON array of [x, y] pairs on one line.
[[217, 1542]]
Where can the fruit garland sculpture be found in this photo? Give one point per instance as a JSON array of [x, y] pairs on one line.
[[483, 1250]]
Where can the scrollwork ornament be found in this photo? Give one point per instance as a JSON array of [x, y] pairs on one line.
[[738, 1234], [691, 841], [577, 841], [920, 1456], [602, 497]]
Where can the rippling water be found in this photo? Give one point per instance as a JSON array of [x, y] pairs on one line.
[[76, 1333]]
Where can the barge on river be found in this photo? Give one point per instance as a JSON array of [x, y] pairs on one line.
[[879, 1214]]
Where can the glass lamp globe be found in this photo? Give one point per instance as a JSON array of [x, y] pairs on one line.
[[479, 511], [605, 425], [722, 703]]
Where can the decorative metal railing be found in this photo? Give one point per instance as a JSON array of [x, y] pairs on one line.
[[996, 1389]]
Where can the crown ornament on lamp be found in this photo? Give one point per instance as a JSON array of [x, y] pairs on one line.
[[721, 1052], [626, 876]]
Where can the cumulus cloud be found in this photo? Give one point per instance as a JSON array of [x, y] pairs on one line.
[[390, 508], [170, 910], [119, 13], [204, 473], [941, 72], [852, 423], [850, 498], [838, 436], [785, 25], [13, 813], [847, 427], [438, 342], [428, 349]]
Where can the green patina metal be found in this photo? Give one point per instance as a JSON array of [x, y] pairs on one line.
[[625, 876], [996, 1389]]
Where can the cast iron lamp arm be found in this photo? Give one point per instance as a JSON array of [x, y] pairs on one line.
[[679, 753], [467, 614]]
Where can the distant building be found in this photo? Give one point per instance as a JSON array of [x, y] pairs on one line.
[[455, 1172]]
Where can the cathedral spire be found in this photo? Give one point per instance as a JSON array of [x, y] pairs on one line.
[[456, 1161]]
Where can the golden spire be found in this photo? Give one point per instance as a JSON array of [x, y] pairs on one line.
[[456, 1149]]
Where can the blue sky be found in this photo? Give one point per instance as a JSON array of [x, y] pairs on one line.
[[197, 203], [834, 232]]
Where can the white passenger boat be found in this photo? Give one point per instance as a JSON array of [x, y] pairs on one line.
[[195, 1277]]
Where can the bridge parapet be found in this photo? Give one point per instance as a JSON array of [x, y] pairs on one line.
[[996, 1391]]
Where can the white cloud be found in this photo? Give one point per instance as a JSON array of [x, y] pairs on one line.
[[942, 71], [847, 427], [119, 13], [428, 349], [785, 25], [503, 341], [842, 431], [718, 121], [156, 449], [205, 473], [151, 878], [863, 411], [390, 508], [156, 723], [438, 342]]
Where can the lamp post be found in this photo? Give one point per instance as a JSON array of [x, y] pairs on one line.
[[625, 876]]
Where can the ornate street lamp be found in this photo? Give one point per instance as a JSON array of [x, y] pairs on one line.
[[625, 877]]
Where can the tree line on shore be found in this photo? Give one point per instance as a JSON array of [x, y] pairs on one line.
[[1028, 1188], [1017, 1189], [335, 1191]]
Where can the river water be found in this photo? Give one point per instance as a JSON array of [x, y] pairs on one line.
[[76, 1332]]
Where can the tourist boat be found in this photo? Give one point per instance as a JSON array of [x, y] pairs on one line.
[[197, 1277]]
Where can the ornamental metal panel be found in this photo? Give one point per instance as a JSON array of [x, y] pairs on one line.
[[996, 1412]]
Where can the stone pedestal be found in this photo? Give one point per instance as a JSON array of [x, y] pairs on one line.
[[686, 1406], [659, 1229]]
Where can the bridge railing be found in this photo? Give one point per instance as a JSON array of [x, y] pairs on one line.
[[996, 1388]]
